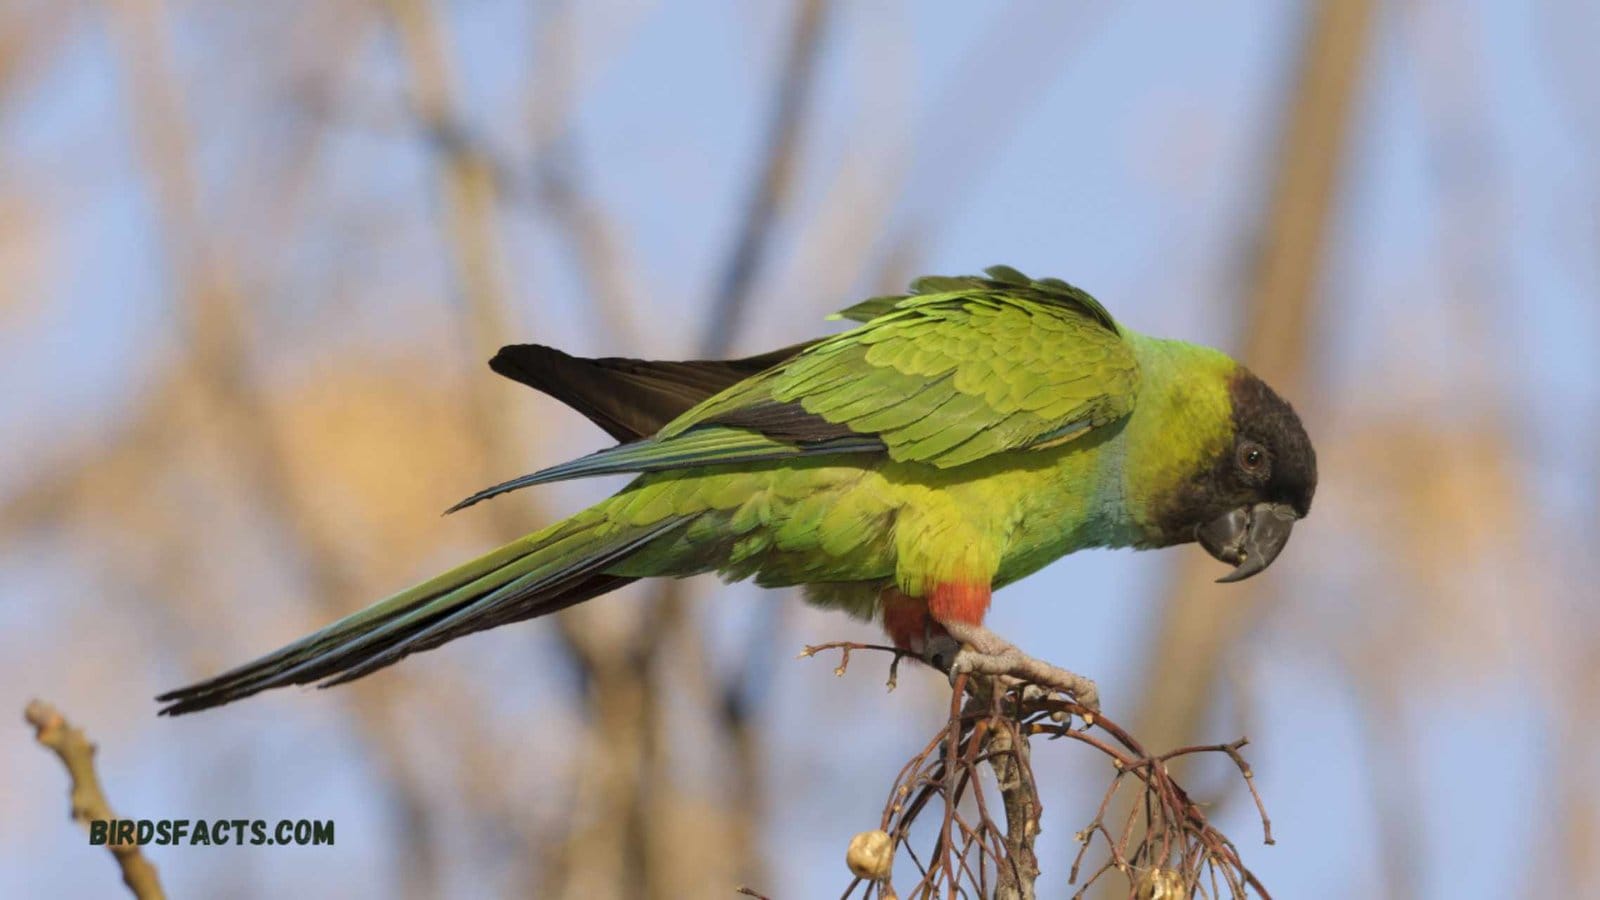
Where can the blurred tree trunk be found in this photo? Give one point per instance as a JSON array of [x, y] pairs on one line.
[[1199, 619], [1569, 32]]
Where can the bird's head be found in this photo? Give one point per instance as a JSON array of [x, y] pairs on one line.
[[1242, 506]]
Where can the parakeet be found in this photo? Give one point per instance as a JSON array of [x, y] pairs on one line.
[[960, 437]]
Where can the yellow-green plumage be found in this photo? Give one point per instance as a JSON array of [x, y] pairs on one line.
[[876, 520], [973, 430]]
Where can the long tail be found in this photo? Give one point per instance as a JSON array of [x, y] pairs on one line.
[[542, 573]]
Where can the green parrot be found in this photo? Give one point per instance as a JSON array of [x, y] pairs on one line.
[[959, 438]]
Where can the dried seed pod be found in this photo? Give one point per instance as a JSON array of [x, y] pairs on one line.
[[871, 854], [1159, 884]]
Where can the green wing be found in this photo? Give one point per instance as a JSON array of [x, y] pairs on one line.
[[963, 369], [957, 370]]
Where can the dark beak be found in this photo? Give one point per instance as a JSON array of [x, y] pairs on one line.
[[1248, 538]]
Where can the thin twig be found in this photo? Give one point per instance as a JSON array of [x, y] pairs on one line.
[[1164, 839], [89, 803]]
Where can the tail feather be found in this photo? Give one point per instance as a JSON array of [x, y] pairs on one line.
[[537, 575]]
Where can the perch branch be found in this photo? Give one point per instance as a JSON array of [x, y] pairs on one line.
[[76, 752], [1162, 842]]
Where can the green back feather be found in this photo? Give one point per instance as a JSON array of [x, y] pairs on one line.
[[957, 370]]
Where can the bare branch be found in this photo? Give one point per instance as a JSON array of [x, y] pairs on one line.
[[1163, 840], [88, 798]]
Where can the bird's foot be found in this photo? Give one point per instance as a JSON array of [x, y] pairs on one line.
[[982, 652]]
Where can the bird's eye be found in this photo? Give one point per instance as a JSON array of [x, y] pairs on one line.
[[1252, 458]]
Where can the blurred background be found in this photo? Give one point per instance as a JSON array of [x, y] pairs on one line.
[[254, 256]]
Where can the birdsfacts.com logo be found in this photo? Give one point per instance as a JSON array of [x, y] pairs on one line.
[[212, 832]]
